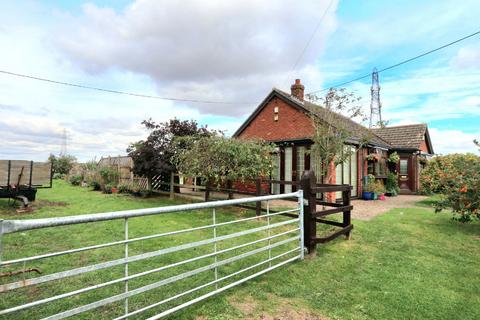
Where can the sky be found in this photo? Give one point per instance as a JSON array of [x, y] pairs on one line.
[[230, 52]]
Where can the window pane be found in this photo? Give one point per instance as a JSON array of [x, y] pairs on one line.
[[354, 172], [288, 168], [276, 173], [403, 166], [300, 161]]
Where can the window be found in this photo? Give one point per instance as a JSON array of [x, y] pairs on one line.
[[403, 167], [300, 161], [288, 168], [275, 187]]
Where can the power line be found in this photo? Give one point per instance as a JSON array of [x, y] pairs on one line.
[[400, 63], [311, 38], [117, 91]]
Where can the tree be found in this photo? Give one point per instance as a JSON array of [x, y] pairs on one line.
[[218, 159], [334, 128], [62, 164], [457, 178], [153, 156], [477, 143]]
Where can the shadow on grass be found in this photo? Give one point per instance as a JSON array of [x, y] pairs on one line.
[[430, 202]]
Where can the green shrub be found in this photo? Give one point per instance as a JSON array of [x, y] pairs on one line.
[[109, 175], [379, 187], [391, 185], [145, 193], [62, 164], [370, 185], [108, 188], [124, 188], [59, 176], [457, 178], [95, 185], [393, 158], [76, 180]]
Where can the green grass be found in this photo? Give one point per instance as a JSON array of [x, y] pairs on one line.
[[406, 264]]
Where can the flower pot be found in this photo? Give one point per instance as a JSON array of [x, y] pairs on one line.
[[381, 197], [374, 196], [367, 195]]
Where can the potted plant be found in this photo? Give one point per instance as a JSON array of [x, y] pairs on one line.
[[369, 188], [393, 158], [108, 188], [379, 190]]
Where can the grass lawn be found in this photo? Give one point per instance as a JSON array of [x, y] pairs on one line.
[[406, 264]]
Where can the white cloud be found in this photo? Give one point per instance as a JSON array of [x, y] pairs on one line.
[[466, 58], [453, 141], [215, 50]]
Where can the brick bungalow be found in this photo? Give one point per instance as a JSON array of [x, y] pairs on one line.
[[285, 119]]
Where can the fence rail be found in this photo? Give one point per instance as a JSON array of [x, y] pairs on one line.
[[284, 234], [316, 194]]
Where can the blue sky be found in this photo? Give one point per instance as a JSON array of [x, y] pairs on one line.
[[232, 51]]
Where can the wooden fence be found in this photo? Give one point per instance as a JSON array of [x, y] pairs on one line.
[[313, 194], [25, 173], [313, 216]]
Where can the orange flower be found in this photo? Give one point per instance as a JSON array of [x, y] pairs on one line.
[[463, 189]]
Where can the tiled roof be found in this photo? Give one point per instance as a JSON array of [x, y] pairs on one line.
[[408, 136], [359, 131], [123, 161]]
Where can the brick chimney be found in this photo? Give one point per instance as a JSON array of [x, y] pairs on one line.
[[298, 90]]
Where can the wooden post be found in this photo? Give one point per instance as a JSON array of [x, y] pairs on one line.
[[31, 175], [172, 182], [51, 173], [207, 190], [229, 187], [258, 192], [9, 170], [308, 182], [346, 214]]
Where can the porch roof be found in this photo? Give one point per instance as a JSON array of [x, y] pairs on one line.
[[406, 136]]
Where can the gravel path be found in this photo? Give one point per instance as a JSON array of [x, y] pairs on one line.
[[366, 210], [362, 210]]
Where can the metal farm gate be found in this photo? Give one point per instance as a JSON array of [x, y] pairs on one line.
[[253, 245]]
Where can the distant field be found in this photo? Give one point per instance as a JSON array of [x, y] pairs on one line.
[[406, 264]]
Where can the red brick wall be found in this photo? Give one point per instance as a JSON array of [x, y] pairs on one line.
[[291, 124], [251, 187], [424, 147]]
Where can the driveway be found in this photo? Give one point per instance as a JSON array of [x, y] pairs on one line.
[[365, 210], [362, 210]]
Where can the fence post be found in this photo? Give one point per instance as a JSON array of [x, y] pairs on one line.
[[207, 190], [346, 214], [1, 236], [229, 187], [258, 192], [172, 182], [308, 182]]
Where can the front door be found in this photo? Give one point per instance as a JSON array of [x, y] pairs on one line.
[[404, 178]]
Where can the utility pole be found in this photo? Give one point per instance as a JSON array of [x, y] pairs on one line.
[[375, 104]]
